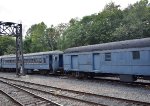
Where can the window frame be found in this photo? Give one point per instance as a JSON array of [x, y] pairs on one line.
[[108, 57], [136, 55]]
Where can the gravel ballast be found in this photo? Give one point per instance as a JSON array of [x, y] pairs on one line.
[[102, 88]]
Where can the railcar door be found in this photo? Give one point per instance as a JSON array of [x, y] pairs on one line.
[[60, 60], [50, 62], [55, 63], [74, 61], [96, 61]]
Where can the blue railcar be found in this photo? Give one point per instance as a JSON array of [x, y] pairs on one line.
[[128, 59], [0, 62], [7, 61], [51, 61]]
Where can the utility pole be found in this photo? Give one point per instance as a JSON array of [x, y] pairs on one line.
[[15, 30]]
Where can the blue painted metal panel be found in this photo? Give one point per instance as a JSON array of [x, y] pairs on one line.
[[115, 69], [55, 62], [85, 62], [122, 58], [85, 68], [74, 62], [67, 67], [9, 66], [67, 62], [85, 59], [67, 59], [96, 61], [141, 70]]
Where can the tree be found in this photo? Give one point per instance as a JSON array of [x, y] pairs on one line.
[[93, 29], [51, 36], [41, 38], [112, 24], [136, 22], [7, 45], [11, 49], [61, 28], [34, 40]]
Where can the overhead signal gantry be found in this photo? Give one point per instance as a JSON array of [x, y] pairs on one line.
[[15, 30]]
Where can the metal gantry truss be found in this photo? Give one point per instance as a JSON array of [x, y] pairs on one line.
[[15, 30]]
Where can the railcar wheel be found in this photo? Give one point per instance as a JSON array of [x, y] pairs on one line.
[[128, 78], [29, 71], [91, 75], [80, 75]]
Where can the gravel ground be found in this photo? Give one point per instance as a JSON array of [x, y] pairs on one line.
[[6, 101], [102, 88]]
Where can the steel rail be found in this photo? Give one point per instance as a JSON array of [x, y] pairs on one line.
[[14, 100], [57, 95], [83, 93], [41, 98]]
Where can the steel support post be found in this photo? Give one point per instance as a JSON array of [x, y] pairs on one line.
[[19, 51]]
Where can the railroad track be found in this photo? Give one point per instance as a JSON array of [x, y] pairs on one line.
[[6, 100], [89, 98], [22, 97], [134, 84], [112, 80]]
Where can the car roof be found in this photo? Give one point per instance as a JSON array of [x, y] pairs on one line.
[[136, 43], [38, 53]]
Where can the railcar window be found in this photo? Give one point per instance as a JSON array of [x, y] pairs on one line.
[[35, 60], [44, 60], [55, 58], [32, 60], [107, 56], [135, 55]]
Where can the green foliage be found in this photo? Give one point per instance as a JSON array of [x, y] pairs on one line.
[[40, 38], [51, 36], [34, 41], [7, 45], [10, 50], [112, 24], [135, 23], [95, 28]]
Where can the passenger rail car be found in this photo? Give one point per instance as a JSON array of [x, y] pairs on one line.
[[129, 59], [44, 62]]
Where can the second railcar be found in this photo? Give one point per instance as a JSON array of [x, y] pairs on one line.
[[128, 59]]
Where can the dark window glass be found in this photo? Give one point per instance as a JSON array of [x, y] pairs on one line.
[[44, 60], [56, 58], [107, 56], [136, 55]]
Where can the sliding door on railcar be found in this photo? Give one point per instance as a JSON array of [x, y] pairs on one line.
[[50, 62], [74, 62], [60, 60], [96, 61]]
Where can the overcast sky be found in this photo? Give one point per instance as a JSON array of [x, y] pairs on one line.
[[30, 12]]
